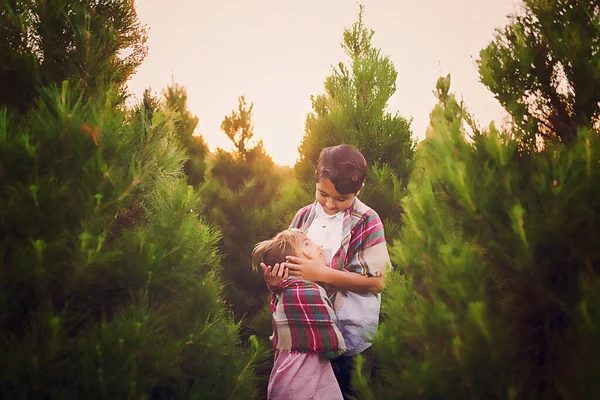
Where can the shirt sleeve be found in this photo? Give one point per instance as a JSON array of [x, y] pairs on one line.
[[372, 252]]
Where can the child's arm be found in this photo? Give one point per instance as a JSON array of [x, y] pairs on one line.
[[316, 271]]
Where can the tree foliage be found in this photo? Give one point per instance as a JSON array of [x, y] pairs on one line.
[[543, 68], [95, 44], [353, 110], [175, 98], [238, 126], [242, 195], [109, 272], [499, 296]]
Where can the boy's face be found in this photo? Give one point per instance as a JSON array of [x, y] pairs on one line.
[[308, 248], [332, 201]]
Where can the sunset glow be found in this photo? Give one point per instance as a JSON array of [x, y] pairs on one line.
[[278, 54]]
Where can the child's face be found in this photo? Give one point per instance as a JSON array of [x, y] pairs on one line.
[[332, 201], [308, 248]]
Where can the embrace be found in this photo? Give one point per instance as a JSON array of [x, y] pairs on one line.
[[325, 274]]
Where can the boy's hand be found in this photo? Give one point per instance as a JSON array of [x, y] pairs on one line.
[[310, 269], [274, 275]]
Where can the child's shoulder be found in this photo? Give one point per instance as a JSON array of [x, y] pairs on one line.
[[361, 210], [306, 209], [298, 284], [301, 216]]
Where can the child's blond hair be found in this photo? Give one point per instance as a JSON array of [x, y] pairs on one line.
[[273, 251]]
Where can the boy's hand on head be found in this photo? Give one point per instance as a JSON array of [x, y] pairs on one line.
[[274, 275], [310, 269]]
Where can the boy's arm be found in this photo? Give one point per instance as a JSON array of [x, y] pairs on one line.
[[316, 271], [374, 260]]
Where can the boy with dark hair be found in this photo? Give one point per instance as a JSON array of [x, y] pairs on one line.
[[355, 251]]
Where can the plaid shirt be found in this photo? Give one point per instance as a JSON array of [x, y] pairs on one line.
[[304, 320], [363, 249]]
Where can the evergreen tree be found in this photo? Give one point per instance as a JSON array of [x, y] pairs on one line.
[[238, 126], [500, 294], [109, 278], [109, 284], [243, 197], [543, 68], [175, 97], [353, 110], [242, 194], [93, 43]]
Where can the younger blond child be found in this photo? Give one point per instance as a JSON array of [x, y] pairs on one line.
[[305, 335]]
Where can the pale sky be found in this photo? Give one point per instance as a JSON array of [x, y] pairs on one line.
[[278, 52]]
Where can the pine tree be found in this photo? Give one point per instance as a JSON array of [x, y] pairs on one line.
[[244, 197], [543, 68], [499, 297], [175, 97], [94, 44], [238, 126], [109, 274], [242, 193], [353, 110], [110, 286], [500, 293]]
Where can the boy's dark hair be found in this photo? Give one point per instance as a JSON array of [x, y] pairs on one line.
[[344, 166]]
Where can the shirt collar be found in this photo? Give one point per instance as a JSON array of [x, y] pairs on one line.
[[322, 214]]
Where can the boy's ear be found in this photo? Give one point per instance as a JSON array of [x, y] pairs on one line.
[[357, 193]]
